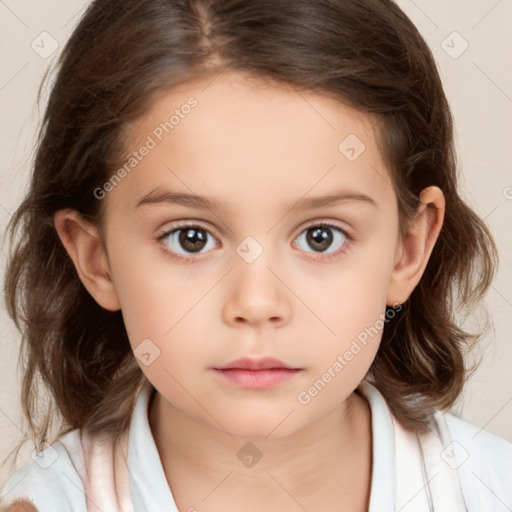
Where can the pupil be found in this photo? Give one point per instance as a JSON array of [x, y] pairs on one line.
[[192, 240], [319, 238]]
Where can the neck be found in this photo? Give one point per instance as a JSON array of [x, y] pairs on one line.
[[335, 448]]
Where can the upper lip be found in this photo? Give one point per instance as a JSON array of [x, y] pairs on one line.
[[264, 363]]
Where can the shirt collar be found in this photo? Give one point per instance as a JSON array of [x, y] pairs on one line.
[[382, 494], [150, 490], [149, 487]]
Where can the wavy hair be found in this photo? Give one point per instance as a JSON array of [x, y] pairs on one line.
[[78, 367]]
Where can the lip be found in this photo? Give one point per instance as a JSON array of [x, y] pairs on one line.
[[262, 373], [256, 379], [264, 363]]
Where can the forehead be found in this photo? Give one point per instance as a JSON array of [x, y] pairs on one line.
[[239, 138]]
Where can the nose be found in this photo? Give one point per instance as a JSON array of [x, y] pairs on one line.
[[256, 296]]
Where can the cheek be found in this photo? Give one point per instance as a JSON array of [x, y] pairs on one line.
[[352, 296], [353, 308], [166, 338], [153, 293], [165, 310]]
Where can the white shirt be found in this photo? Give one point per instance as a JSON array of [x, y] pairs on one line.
[[456, 467]]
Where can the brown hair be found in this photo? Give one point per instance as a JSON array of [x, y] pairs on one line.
[[365, 53]]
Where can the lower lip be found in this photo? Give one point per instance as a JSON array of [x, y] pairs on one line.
[[257, 379]]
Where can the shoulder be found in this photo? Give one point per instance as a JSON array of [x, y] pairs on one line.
[[479, 447], [483, 462], [50, 480]]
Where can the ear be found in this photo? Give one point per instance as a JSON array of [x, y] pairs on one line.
[[85, 247], [414, 250]]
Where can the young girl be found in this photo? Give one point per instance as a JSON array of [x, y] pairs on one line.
[[238, 267]]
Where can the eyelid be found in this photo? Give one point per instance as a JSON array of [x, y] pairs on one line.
[[170, 227], [175, 225], [326, 223]]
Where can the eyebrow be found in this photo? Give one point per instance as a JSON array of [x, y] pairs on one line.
[[159, 196]]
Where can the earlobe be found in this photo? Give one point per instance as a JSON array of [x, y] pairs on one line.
[[83, 243], [416, 247]]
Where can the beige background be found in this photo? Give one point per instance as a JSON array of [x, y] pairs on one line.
[[478, 82]]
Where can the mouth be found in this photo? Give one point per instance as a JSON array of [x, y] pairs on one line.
[[256, 373]]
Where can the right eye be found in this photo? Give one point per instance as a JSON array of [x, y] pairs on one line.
[[187, 240]]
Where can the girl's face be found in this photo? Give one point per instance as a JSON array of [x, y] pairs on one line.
[[252, 222]]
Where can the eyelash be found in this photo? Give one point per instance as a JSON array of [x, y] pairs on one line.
[[318, 256]]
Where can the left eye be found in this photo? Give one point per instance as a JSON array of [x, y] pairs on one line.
[[189, 240], [324, 239]]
